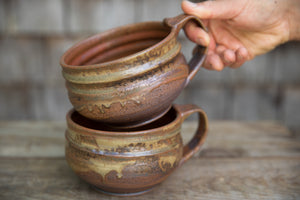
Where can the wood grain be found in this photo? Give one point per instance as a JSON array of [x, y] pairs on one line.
[[225, 139], [240, 160], [32, 139], [205, 178]]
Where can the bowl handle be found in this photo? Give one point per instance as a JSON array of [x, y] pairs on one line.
[[198, 139], [199, 52]]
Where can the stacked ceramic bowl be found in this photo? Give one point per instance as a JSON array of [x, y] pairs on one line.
[[123, 134]]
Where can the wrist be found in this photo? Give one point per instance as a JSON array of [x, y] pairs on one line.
[[294, 20]]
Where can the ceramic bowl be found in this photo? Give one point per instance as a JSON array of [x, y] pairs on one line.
[[130, 162], [130, 75]]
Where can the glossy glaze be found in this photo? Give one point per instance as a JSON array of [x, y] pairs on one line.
[[130, 75], [130, 162]]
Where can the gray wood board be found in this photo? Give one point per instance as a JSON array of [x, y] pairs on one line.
[[240, 160]]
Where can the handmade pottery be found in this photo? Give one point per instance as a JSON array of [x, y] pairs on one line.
[[130, 75], [134, 161]]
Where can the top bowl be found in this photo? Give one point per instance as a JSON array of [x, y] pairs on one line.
[[129, 76]]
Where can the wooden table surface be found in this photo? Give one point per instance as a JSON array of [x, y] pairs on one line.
[[240, 160]]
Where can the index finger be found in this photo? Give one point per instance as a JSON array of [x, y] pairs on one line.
[[218, 9], [196, 34]]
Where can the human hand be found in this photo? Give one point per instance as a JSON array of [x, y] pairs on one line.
[[239, 30]]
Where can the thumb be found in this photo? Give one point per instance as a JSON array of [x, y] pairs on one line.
[[211, 9]]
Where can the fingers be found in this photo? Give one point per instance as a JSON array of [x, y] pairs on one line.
[[241, 57], [227, 55], [221, 57], [211, 9], [222, 51], [196, 34], [213, 62]]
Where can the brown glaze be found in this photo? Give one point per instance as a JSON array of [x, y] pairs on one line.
[[130, 75], [130, 162]]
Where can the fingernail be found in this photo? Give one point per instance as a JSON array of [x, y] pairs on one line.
[[201, 41], [242, 53], [240, 57], [191, 4]]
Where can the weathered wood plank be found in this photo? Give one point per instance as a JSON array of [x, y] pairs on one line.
[[14, 105], [225, 139], [34, 16], [21, 60], [157, 10], [48, 103], [27, 139], [241, 102], [256, 103], [248, 139], [240, 160], [286, 63], [54, 48], [199, 178], [94, 16], [292, 108], [212, 99], [254, 72], [3, 16]]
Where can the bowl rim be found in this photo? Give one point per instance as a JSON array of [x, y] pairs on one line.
[[175, 123], [158, 45]]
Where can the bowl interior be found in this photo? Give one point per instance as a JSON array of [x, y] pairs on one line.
[[117, 43], [169, 117]]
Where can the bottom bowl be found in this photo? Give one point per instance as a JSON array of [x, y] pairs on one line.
[[132, 161]]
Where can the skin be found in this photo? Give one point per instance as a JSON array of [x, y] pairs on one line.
[[239, 30]]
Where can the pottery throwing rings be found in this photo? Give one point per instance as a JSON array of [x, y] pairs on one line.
[[129, 76], [123, 136], [130, 162]]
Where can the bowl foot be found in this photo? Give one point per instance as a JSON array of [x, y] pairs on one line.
[[140, 123], [122, 194]]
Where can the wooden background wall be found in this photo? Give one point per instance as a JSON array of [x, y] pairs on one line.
[[35, 33]]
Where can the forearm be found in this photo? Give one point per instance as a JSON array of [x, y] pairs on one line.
[[294, 20]]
